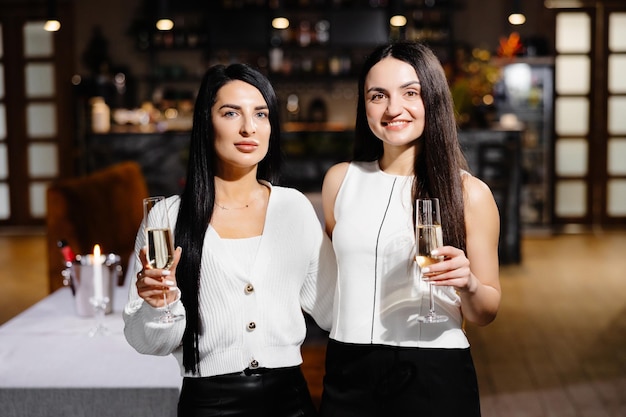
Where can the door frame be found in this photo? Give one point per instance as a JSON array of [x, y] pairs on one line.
[[596, 178], [12, 17]]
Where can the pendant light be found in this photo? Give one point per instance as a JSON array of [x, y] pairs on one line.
[[52, 23], [517, 17], [398, 18], [164, 21]]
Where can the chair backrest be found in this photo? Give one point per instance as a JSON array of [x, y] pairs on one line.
[[104, 207]]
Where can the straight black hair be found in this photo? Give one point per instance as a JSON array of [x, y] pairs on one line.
[[198, 197]]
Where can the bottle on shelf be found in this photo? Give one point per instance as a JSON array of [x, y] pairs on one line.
[[100, 115]]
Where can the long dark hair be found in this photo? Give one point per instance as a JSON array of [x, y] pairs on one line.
[[437, 167], [198, 196]]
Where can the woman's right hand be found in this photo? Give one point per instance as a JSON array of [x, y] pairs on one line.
[[152, 282]]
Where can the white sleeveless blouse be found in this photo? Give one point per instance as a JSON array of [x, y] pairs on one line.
[[379, 293]]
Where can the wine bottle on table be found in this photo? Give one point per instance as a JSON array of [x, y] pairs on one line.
[[68, 257]]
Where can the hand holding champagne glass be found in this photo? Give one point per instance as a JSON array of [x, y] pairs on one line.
[[428, 237], [160, 244]]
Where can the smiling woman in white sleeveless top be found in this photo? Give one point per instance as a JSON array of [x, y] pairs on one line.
[[381, 361]]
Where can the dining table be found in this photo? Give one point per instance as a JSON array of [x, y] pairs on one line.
[[52, 365]]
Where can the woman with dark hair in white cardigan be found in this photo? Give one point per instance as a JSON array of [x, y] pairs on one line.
[[250, 257]]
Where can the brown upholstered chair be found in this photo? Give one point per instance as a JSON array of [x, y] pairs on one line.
[[104, 207]]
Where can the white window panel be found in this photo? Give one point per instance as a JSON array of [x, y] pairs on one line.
[[616, 197], [572, 74], [617, 115], [3, 122], [571, 198], [573, 33], [616, 154], [571, 116], [39, 80], [5, 201], [617, 70], [4, 162], [1, 81], [42, 160], [617, 32], [41, 120], [37, 42], [571, 157], [37, 193]]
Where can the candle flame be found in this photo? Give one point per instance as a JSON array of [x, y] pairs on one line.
[[97, 258]]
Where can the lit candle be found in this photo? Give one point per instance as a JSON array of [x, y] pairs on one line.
[[97, 274]]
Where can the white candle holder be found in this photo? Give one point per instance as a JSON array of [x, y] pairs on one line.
[[81, 276]]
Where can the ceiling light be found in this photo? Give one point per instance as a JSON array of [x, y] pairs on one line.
[[517, 19], [397, 20], [52, 25], [164, 24], [280, 23]]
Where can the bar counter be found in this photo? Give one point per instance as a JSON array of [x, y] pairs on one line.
[[494, 155], [309, 150]]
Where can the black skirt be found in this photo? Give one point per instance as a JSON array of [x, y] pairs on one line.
[[281, 392], [383, 381]]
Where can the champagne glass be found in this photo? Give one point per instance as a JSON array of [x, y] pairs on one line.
[[160, 245], [428, 237]]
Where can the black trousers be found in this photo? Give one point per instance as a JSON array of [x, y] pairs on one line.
[[281, 392], [384, 381]]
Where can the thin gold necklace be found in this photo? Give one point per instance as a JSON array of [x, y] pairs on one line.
[[235, 208]]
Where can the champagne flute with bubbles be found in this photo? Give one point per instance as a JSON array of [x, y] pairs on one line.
[[428, 237], [160, 245]]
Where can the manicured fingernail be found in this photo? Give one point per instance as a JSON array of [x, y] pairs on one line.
[[434, 252], [165, 272], [169, 283], [425, 270]]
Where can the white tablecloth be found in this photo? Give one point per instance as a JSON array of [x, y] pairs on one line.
[[50, 366]]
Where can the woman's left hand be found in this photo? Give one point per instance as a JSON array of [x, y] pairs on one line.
[[152, 282], [453, 271]]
